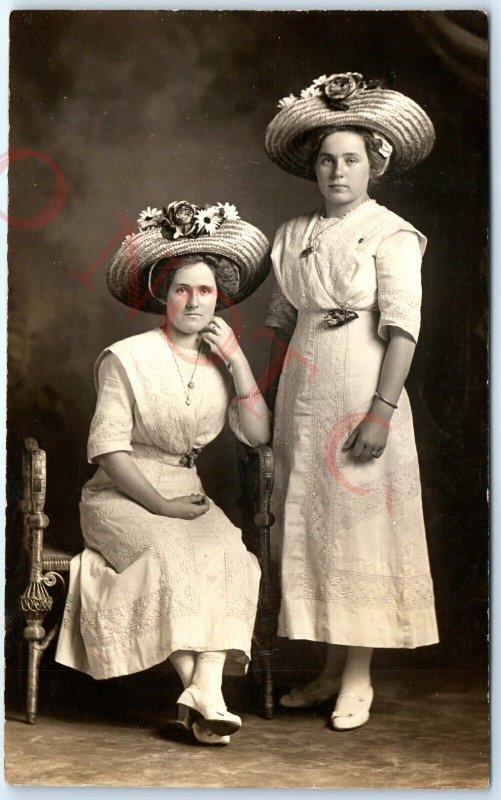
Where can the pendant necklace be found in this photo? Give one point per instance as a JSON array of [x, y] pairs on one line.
[[186, 389]]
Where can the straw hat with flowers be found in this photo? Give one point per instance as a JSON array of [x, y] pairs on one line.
[[184, 228], [347, 100]]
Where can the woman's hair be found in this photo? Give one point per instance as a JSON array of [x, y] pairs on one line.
[[225, 273], [377, 162]]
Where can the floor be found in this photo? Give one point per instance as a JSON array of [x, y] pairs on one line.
[[427, 730]]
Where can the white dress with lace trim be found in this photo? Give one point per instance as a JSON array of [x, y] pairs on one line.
[[148, 585], [350, 535]]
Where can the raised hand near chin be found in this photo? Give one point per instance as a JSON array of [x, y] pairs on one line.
[[221, 339]]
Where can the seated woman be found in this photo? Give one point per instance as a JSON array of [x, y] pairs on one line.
[[164, 573]]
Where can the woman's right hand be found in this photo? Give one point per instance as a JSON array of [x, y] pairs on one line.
[[189, 506]]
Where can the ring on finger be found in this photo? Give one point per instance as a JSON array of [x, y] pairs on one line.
[[376, 453]]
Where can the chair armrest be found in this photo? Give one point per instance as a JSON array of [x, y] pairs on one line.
[[256, 482], [33, 503], [34, 518], [264, 457], [264, 519]]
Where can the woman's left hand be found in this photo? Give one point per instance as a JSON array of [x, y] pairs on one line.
[[221, 339], [367, 440]]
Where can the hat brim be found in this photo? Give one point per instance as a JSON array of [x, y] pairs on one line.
[[394, 115], [237, 240]]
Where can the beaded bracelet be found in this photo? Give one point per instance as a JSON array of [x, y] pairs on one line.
[[248, 396], [384, 400]]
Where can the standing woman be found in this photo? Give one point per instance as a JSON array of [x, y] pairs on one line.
[[354, 561], [164, 573]]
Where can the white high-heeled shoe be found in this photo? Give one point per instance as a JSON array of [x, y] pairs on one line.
[[352, 711], [192, 704], [205, 736]]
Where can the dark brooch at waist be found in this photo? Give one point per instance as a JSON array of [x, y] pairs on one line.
[[339, 316], [188, 459]]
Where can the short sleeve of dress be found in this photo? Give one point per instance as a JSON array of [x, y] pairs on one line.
[[234, 420], [281, 313], [111, 426], [398, 268]]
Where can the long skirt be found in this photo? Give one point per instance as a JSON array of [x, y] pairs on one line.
[[350, 535], [146, 585]]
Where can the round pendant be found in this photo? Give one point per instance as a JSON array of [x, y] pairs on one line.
[[188, 401], [191, 385]]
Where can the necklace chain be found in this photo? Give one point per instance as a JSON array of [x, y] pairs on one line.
[[314, 236], [324, 215], [191, 384]]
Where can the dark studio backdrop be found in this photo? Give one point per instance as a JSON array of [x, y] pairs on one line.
[[142, 108]]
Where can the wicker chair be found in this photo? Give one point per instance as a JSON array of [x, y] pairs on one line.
[[47, 566]]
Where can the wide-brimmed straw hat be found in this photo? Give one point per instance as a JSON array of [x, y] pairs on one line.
[[184, 228], [347, 100]]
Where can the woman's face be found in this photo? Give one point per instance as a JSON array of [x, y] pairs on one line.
[[191, 299], [343, 170]]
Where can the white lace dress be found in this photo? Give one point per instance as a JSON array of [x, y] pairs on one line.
[[354, 561], [148, 585]]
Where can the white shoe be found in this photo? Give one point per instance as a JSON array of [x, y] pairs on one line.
[[193, 705], [352, 711], [205, 736]]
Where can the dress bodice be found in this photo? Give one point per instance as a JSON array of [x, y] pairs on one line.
[[368, 260], [142, 386]]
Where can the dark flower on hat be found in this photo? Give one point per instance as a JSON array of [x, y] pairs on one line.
[[179, 219], [339, 88], [184, 220]]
